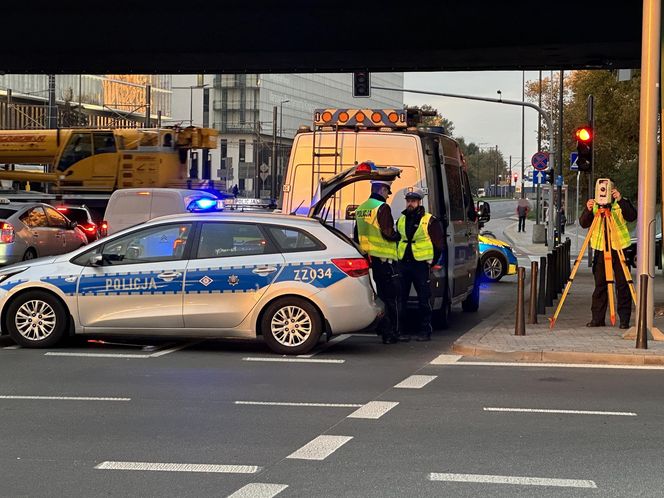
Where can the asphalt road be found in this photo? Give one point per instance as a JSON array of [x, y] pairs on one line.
[[357, 418]]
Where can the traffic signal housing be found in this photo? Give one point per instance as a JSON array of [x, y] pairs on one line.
[[584, 147], [362, 84], [550, 176]]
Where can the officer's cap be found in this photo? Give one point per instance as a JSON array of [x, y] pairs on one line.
[[382, 182], [415, 193]]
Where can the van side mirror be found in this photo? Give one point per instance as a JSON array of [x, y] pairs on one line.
[[483, 211]]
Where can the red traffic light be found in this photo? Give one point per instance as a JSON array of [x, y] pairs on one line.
[[584, 134]]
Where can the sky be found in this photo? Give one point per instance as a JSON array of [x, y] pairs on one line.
[[485, 123]]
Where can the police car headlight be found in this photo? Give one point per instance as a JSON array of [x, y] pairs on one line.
[[4, 276]]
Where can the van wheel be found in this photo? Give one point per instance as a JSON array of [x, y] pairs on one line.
[[291, 325], [29, 254], [36, 319], [472, 302]]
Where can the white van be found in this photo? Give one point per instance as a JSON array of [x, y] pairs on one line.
[[428, 159], [133, 206]]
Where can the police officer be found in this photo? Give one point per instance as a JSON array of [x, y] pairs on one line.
[[419, 249], [374, 230], [622, 211]]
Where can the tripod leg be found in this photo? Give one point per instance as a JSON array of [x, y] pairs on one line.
[[623, 263], [608, 268], [553, 319]]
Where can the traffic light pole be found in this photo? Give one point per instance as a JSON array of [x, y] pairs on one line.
[[541, 112]]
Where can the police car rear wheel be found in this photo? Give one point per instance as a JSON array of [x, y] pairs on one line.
[[291, 326], [36, 320]]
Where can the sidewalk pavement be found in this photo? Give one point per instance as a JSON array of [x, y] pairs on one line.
[[570, 341]]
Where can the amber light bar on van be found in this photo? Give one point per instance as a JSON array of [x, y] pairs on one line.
[[353, 267], [369, 118]]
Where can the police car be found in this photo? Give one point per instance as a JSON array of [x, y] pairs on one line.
[[220, 274]]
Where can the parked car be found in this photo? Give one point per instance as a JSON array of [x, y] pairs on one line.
[[496, 259], [630, 252], [83, 218], [30, 230], [481, 192]]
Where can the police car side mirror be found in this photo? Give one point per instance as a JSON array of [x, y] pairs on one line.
[[96, 260], [71, 225], [483, 212]]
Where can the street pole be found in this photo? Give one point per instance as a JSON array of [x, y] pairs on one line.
[[281, 139], [576, 215], [148, 105], [52, 106], [523, 133], [273, 169], [510, 190], [495, 174], [559, 187], [650, 59], [539, 148]]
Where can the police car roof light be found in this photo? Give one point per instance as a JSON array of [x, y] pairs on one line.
[[364, 167], [204, 204]]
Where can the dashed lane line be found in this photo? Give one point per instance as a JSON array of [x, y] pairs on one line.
[[320, 448], [415, 382], [564, 412], [323, 347], [96, 355], [446, 359], [523, 481], [15, 346], [64, 398], [373, 409], [288, 403], [259, 490], [174, 349], [179, 467]]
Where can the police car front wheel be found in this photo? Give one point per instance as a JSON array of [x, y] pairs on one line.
[[291, 326], [36, 319]]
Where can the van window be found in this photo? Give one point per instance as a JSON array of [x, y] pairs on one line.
[[468, 201], [455, 191]]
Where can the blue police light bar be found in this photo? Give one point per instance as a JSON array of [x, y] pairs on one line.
[[204, 204]]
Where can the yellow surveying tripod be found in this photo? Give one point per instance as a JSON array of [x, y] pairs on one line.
[[606, 224]]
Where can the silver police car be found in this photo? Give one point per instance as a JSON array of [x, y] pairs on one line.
[[286, 278]]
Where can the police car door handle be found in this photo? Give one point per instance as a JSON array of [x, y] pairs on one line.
[[169, 275], [264, 270]]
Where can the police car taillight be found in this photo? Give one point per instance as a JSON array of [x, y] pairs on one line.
[[353, 267], [103, 229], [6, 233]]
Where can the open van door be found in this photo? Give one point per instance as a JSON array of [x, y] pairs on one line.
[[361, 172]]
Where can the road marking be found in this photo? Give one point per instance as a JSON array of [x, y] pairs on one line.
[[570, 412], [557, 365], [524, 481], [373, 409], [259, 490], [97, 355], [323, 347], [415, 381], [292, 360], [179, 467], [65, 398], [320, 448], [15, 346], [287, 403], [446, 359], [173, 349]]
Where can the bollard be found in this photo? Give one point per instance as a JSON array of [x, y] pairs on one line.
[[549, 280], [556, 271], [642, 323], [533, 293], [520, 326], [561, 268], [541, 297]]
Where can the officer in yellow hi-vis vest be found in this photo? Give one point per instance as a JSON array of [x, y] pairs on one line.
[[622, 211], [374, 230], [419, 249]]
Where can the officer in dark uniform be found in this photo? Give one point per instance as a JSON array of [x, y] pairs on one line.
[[419, 250], [374, 230]]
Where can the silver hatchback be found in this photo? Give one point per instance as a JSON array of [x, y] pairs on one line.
[[31, 230]]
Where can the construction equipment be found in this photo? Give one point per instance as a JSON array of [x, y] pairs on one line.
[[78, 160]]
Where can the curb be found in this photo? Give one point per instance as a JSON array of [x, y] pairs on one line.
[[560, 356], [510, 239]]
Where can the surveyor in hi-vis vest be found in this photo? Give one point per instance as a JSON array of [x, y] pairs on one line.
[[419, 249], [622, 211], [374, 230]]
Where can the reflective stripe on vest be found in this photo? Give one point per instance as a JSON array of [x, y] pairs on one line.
[[620, 238], [421, 244], [369, 234]]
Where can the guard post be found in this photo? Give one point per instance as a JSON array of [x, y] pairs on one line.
[[541, 294], [533, 293], [520, 326]]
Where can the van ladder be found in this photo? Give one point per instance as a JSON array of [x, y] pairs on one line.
[[324, 151]]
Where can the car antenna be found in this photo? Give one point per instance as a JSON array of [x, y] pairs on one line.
[[298, 207]]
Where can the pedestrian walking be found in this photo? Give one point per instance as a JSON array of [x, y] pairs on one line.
[[374, 231], [235, 190], [622, 211], [419, 250], [522, 209]]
